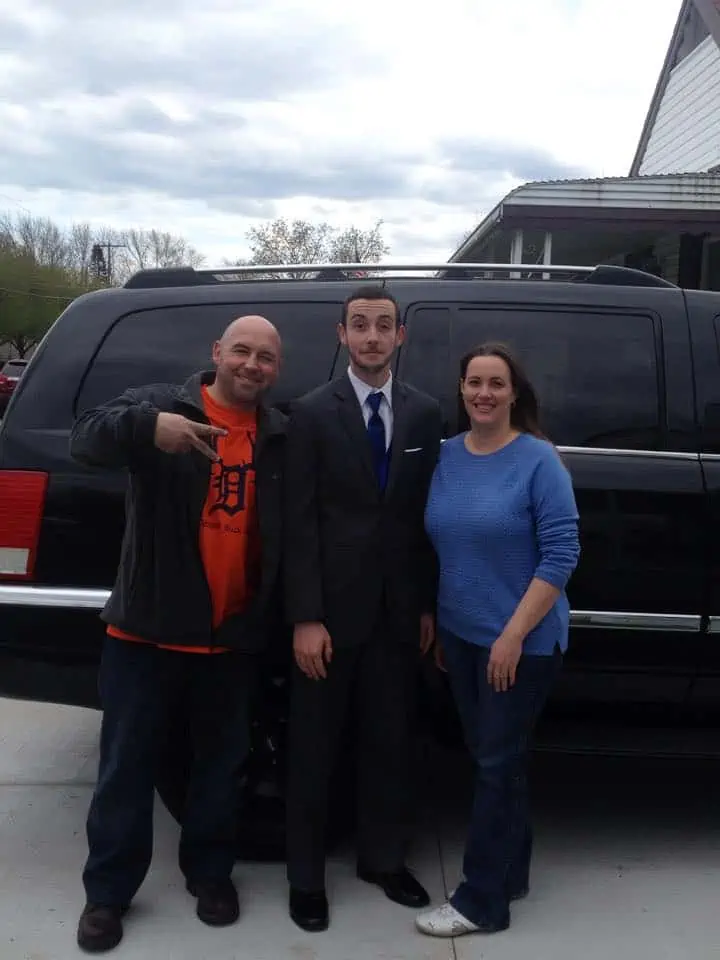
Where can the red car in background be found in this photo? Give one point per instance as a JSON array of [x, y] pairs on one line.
[[10, 373]]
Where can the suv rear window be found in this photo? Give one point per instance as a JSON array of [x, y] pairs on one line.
[[168, 344]]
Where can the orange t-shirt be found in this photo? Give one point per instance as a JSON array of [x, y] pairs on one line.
[[228, 535]]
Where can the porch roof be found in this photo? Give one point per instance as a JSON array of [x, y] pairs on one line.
[[660, 203]]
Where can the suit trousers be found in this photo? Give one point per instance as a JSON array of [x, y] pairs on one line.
[[369, 692]]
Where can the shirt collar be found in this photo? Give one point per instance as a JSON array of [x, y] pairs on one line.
[[363, 390]]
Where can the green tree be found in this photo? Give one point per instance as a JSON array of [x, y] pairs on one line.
[[43, 268], [32, 295]]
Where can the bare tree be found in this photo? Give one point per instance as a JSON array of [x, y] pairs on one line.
[[80, 243], [79, 249], [300, 241], [43, 240], [7, 233], [354, 245], [172, 251], [138, 249], [148, 249]]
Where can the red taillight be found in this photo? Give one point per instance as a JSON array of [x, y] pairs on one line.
[[6, 384], [22, 501]]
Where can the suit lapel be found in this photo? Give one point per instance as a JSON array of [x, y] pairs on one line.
[[354, 425], [399, 433]]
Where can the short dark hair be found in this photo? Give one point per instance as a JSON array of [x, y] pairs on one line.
[[524, 415], [373, 291]]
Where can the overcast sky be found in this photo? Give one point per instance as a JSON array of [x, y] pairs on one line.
[[203, 118]]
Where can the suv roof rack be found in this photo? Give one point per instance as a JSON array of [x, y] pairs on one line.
[[378, 272]]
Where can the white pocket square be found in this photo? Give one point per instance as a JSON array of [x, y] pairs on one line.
[[413, 450]]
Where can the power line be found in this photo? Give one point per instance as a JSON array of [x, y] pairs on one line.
[[17, 204], [70, 282], [41, 296]]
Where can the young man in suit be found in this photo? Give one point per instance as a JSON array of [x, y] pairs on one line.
[[360, 591]]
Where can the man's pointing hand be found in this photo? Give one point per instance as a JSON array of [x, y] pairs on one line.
[[176, 434]]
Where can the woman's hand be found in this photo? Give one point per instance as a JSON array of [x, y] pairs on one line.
[[505, 655]]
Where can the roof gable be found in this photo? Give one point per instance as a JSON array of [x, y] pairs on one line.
[[696, 20]]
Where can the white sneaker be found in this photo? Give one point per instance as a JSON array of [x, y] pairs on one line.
[[444, 921]]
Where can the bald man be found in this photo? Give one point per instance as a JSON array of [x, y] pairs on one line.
[[187, 616]]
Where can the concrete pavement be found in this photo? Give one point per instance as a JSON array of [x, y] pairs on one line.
[[626, 866]]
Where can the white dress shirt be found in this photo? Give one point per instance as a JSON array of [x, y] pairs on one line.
[[363, 391]]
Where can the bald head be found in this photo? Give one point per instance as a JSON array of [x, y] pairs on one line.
[[252, 324], [247, 358]]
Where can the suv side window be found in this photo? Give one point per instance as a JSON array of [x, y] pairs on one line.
[[169, 344], [425, 356], [596, 372]]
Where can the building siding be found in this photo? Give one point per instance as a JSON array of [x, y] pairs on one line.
[[686, 134]]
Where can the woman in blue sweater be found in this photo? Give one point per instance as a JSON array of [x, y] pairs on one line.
[[503, 520]]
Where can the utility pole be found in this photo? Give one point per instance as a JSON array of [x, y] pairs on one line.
[[98, 264], [101, 264], [110, 247]]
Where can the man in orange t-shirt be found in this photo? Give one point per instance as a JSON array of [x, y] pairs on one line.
[[188, 614], [227, 536]]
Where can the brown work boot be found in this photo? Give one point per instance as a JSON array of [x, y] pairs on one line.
[[217, 901], [100, 928]]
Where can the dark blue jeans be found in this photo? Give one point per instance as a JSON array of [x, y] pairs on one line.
[[141, 689], [497, 729]]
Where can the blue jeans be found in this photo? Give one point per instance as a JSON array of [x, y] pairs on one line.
[[497, 729], [142, 688]]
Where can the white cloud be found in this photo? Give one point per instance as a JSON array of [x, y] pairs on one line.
[[202, 119]]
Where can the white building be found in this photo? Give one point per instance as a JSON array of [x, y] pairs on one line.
[[665, 216], [682, 128]]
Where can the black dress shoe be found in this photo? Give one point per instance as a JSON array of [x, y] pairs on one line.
[[309, 910], [217, 902], [400, 887], [100, 928]]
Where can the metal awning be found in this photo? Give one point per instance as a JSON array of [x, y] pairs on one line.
[[602, 215]]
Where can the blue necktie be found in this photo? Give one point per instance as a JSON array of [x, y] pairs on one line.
[[376, 433]]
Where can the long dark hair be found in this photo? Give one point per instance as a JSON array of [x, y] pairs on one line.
[[524, 414]]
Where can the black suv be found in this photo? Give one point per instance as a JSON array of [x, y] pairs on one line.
[[628, 371]]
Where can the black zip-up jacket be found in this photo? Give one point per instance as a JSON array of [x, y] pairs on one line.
[[161, 592]]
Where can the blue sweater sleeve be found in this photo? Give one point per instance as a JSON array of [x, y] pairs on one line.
[[556, 521]]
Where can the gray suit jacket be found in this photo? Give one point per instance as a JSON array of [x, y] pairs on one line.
[[353, 552]]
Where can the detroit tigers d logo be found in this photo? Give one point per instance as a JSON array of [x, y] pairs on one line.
[[229, 484]]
